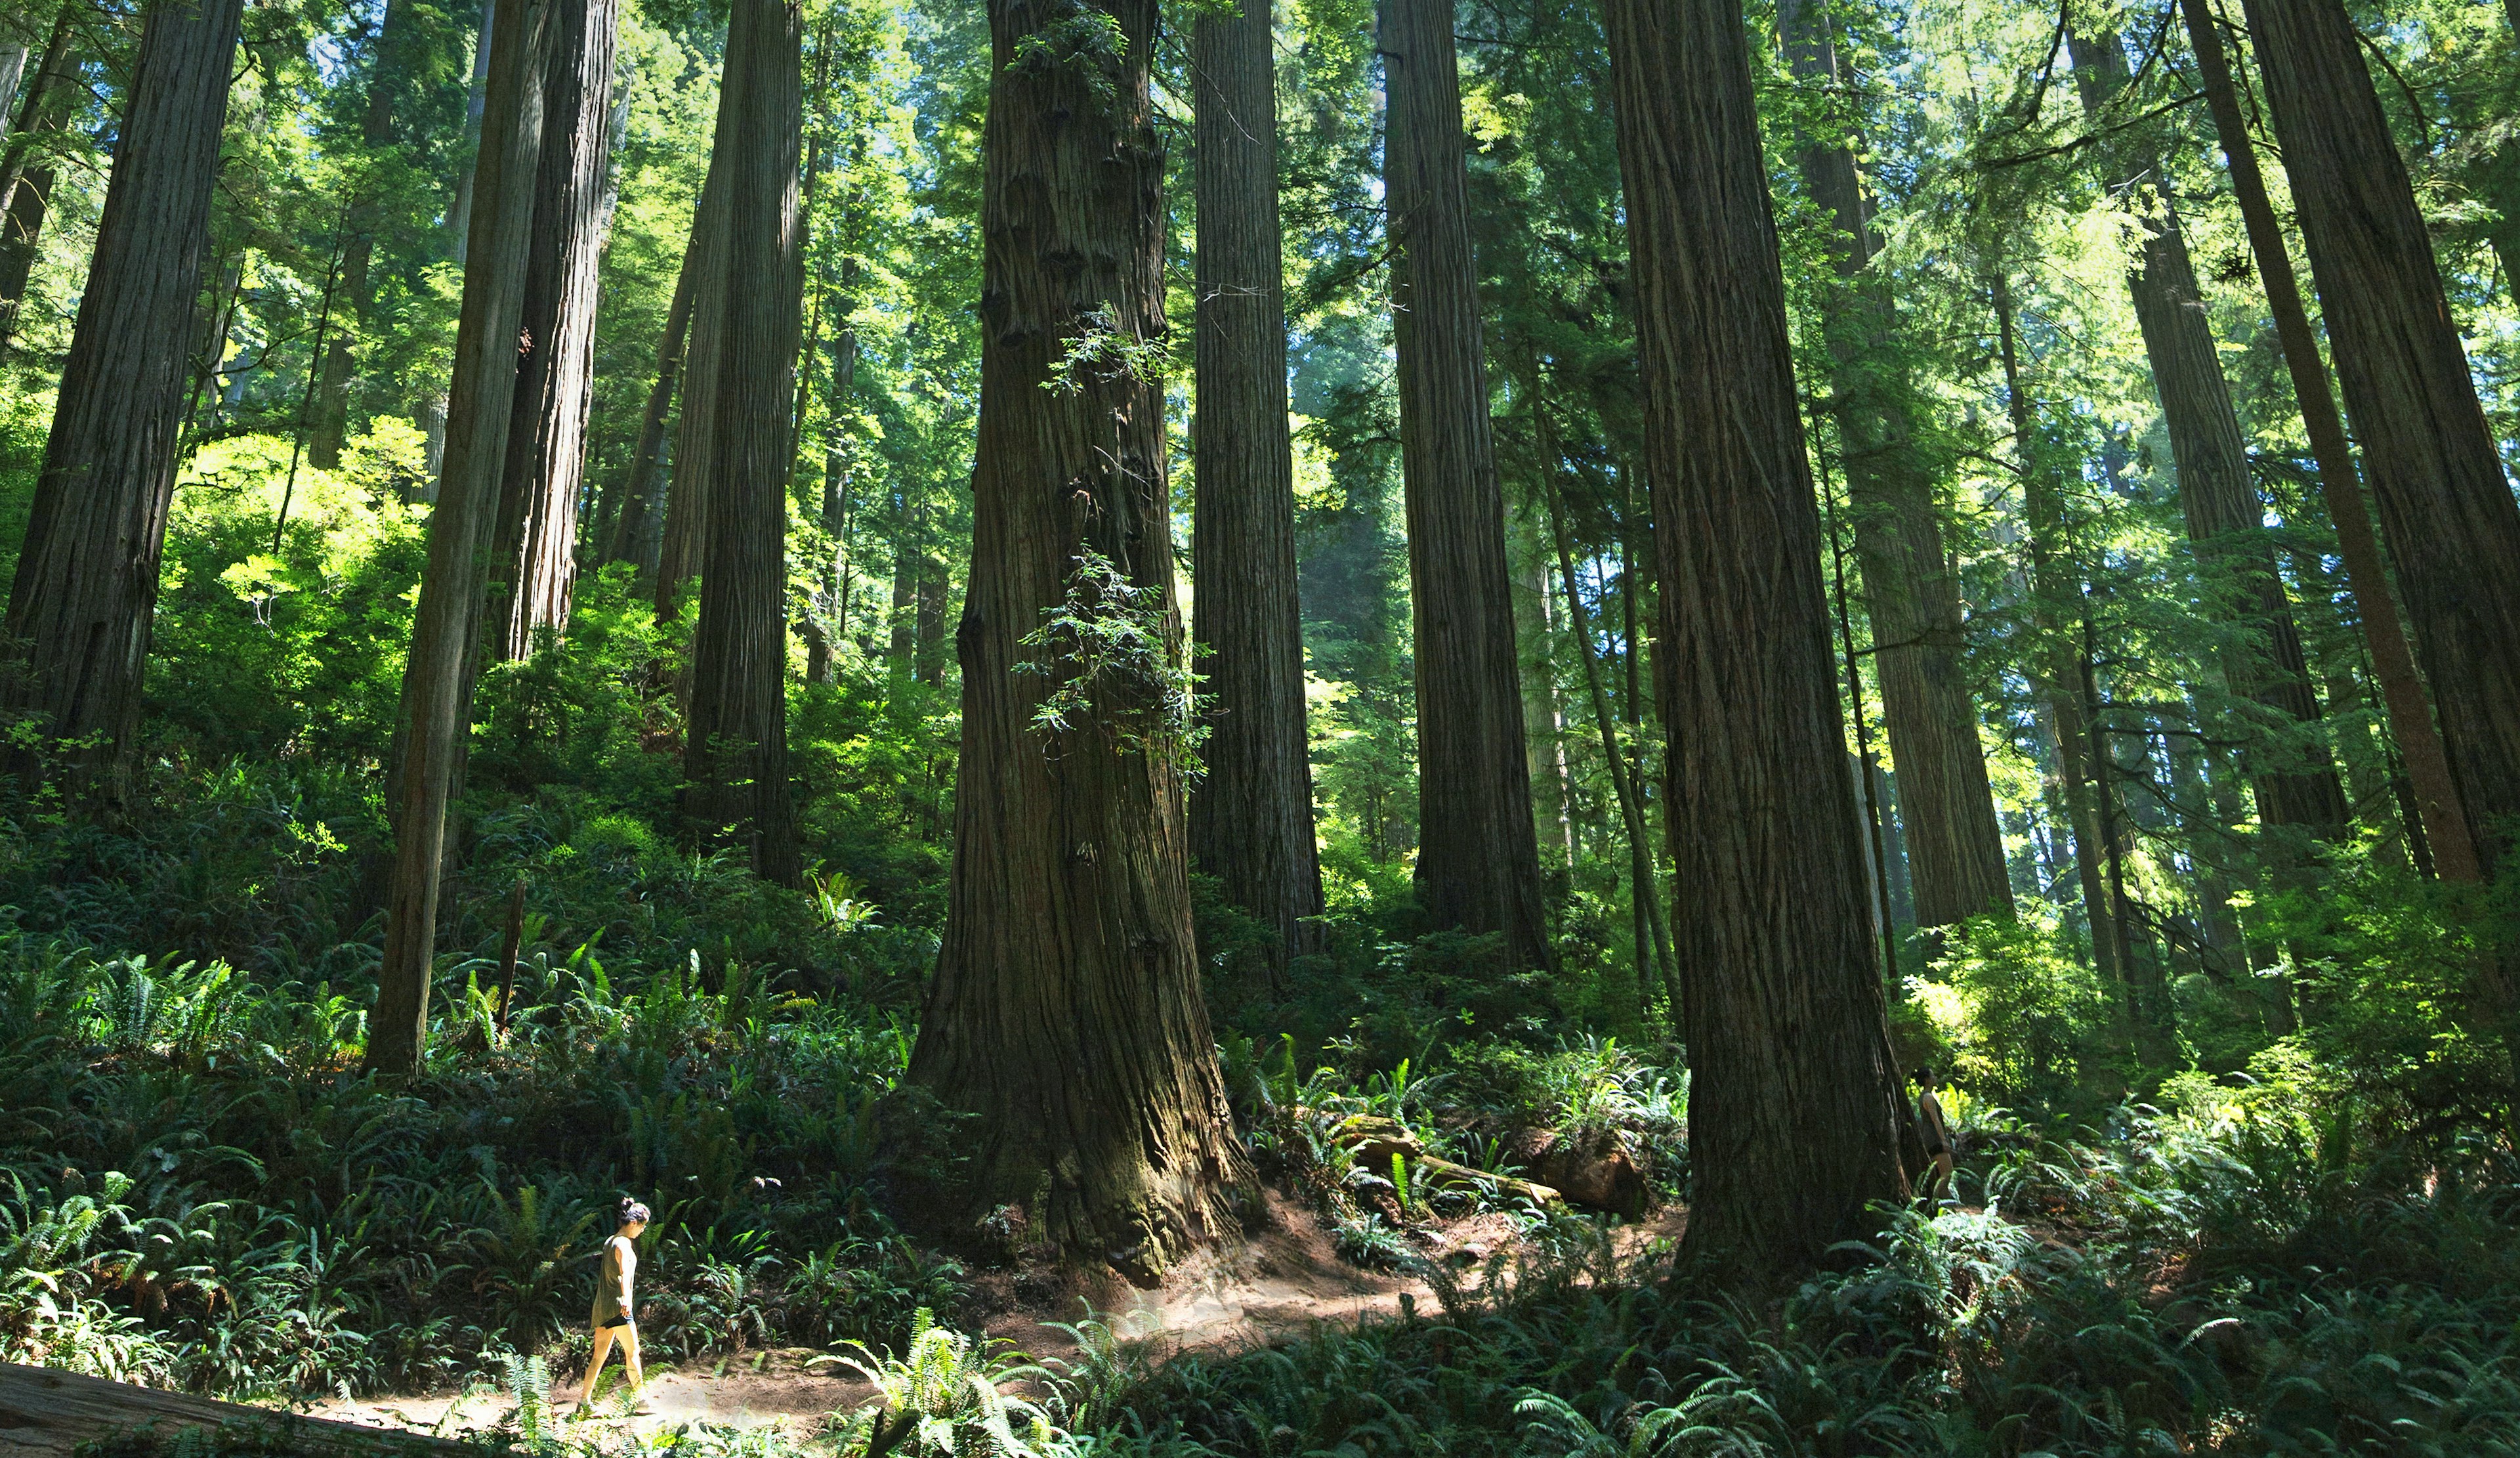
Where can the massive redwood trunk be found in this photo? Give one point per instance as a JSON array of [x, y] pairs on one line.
[[1252, 818], [2296, 782], [1065, 1011], [736, 750], [534, 555], [1478, 863], [77, 629], [2444, 506], [1795, 1112], [480, 397], [2393, 662], [1954, 844]]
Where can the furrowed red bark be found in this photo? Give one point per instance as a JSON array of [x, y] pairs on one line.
[[1065, 1011], [2296, 782], [533, 562], [1796, 1118], [735, 751], [77, 629], [1479, 860], [2402, 688], [1251, 817], [480, 397], [1954, 844]]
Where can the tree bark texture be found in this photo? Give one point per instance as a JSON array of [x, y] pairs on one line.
[[1065, 1011], [734, 753], [79, 609], [480, 397], [1796, 1118], [13, 72], [534, 560], [2444, 505], [1252, 818], [26, 172], [2393, 659], [1479, 860], [2295, 781], [1954, 844], [635, 530], [376, 130]]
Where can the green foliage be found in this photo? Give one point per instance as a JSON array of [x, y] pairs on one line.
[[1117, 667], [2009, 1008]]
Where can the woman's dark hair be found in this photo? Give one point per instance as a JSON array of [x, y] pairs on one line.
[[632, 1212]]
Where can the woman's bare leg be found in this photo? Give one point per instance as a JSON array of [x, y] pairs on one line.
[[630, 1356], [594, 1363]]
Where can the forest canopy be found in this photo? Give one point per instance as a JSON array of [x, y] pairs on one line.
[[1795, 724]]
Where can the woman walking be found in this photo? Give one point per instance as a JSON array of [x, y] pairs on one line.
[[613, 1308]]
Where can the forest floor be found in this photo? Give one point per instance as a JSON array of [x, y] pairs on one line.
[[1278, 1286]]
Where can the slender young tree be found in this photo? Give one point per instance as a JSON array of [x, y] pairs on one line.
[[735, 747], [1954, 844], [1065, 1011], [479, 406], [1796, 1118], [2296, 783], [76, 636], [2453, 528], [387, 68], [534, 558], [1252, 818], [25, 168], [2402, 688], [636, 525], [1479, 860]]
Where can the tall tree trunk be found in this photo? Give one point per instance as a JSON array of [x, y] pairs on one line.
[[1544, 720], [1065, 1010], [1796, 1118], [27, 171], [635, 529], [1956, 844], [1478, 861], [2296, 782], [480, 397], [2056, 615], [683, 538], [533, 562], [79, 609], [2453, 528], [12, 72], [1252, 818], [736, 752], [2402, 688], [932, 588]]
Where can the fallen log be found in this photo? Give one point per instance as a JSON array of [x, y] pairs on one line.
[[1375, 1141], [46, 1413]]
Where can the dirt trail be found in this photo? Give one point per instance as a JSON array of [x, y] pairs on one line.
[[1279, 1286]]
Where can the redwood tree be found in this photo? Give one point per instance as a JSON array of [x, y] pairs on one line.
[[735, 746], [77, 629], [1478, 862], [2446, 508], [1954, 844], [479, 401], [1065, 1011], [44, 105], [1251, 819], [2296, 782], [1795, 1114], [534, 561]]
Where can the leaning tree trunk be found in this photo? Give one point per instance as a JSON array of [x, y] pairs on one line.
[[683, 538], [533, 561], [77, 629], [1954, 844], [479, 400], [2296, 782], [27, 171], [2453, 528], [635, 526], [12, 72], [735, 754], [395, 41], [1796, 1118], [1065, 1011], [1251, 819], [1478, 862], [2393, 660]]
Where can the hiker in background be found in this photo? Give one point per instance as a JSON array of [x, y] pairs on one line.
[[612, 1317], [1937, 1134]]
